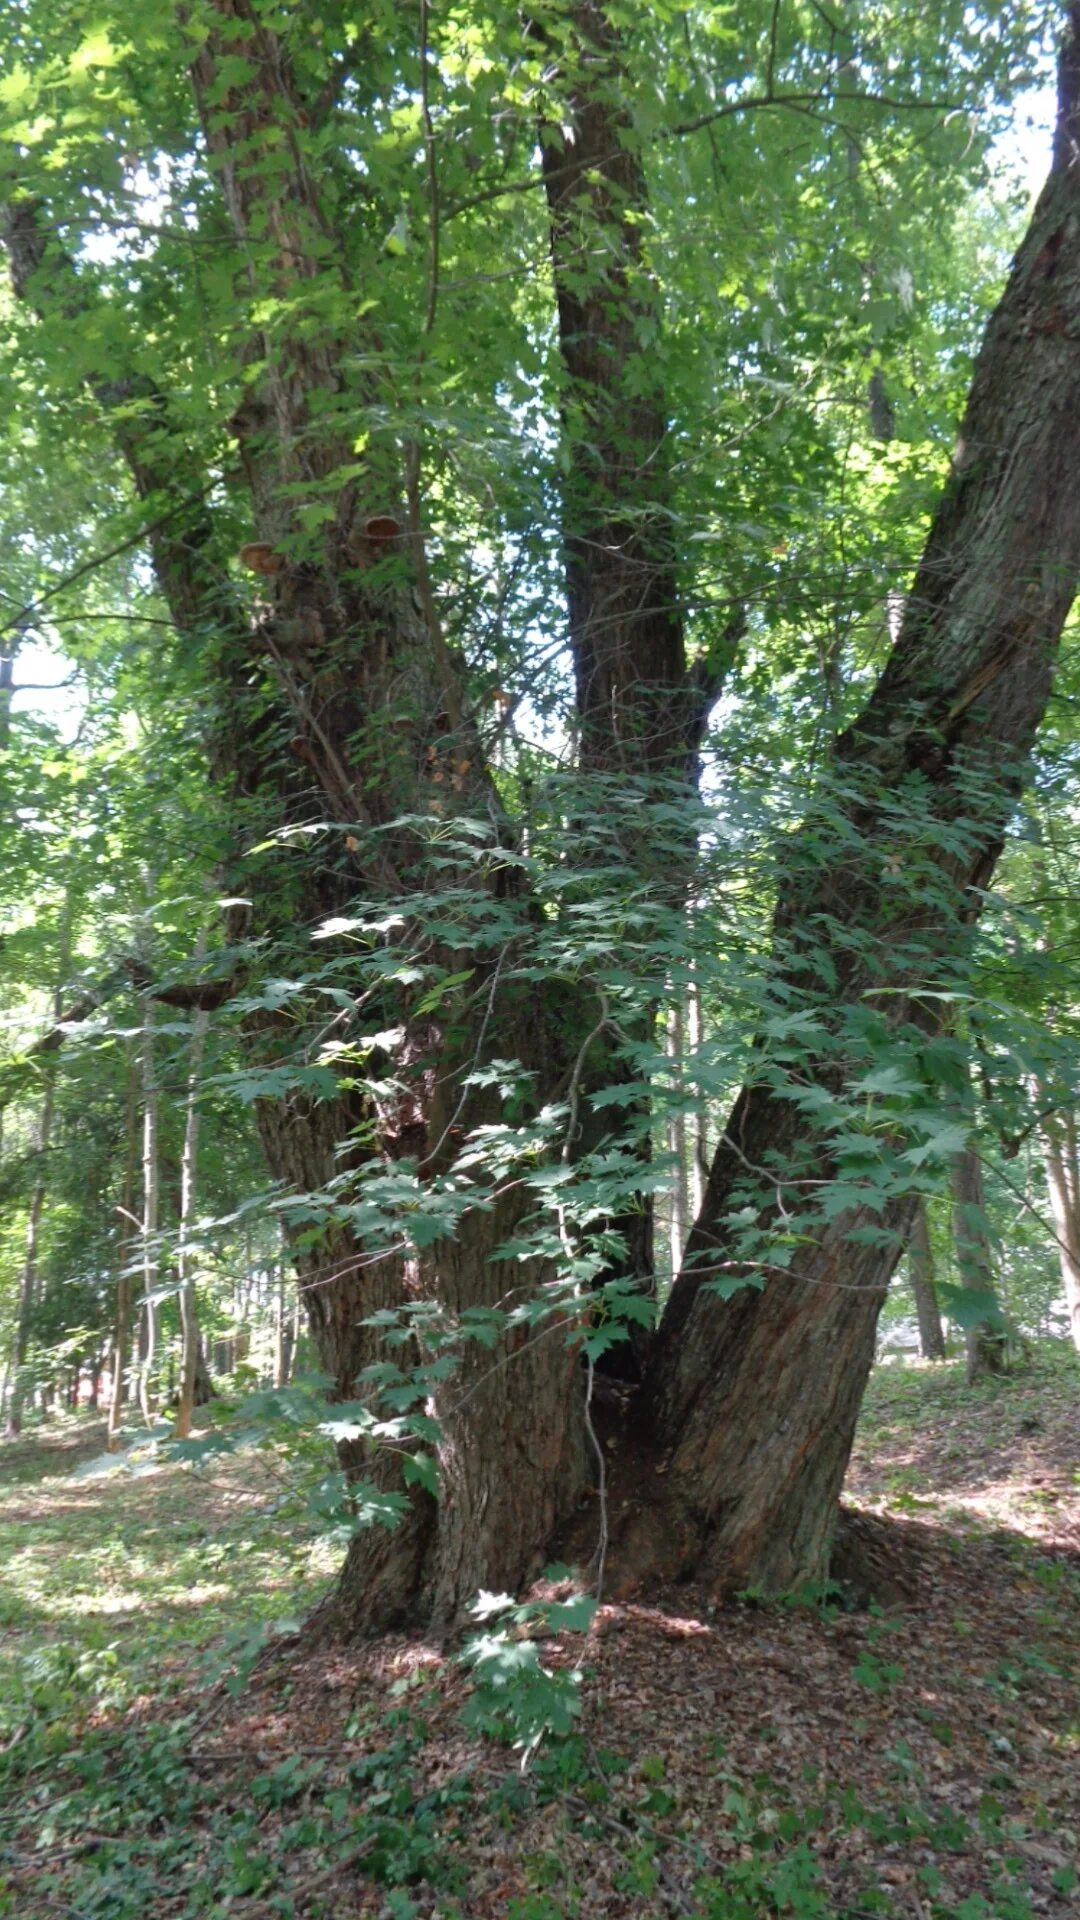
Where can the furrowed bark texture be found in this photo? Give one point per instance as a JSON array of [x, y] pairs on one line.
[[381, 720], [340, 708], [639, 709], [339, 705], [755, 1400]]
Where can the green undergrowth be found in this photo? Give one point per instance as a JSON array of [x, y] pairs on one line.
[[130, 1607], [904, 1395], [145, 1576], [128, 1824]]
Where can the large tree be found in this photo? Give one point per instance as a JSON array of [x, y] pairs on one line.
[[307, 411]]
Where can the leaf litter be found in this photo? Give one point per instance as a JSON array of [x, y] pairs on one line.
[[919, 1760]]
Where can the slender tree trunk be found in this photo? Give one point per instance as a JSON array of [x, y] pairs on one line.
[[121, 1342], [985, 1340], [9, 647], [921, 1268], [284, 1344], [151, 1253], [28, 1279], [191, 1344], [699, 1125], [1062, 1165], [677, 1143]]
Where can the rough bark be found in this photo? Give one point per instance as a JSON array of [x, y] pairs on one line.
[[346, 651], [754, 1400], [921, 1268], [641, 708], [510, 1453]]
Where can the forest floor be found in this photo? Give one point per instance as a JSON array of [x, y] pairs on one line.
[[171, 1750]]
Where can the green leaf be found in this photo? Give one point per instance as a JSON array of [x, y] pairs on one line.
[[971, 1307], [575, 1615], [422, 1470]]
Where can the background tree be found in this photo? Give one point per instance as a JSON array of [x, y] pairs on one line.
[[921, 1263]]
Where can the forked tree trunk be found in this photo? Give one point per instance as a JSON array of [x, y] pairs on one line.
[[754, 1402], [921, 1268], [347, 649]]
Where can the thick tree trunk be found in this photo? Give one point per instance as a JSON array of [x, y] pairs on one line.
[[921, 1269], [510, 1453], [754, 1400], [641, 710]]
